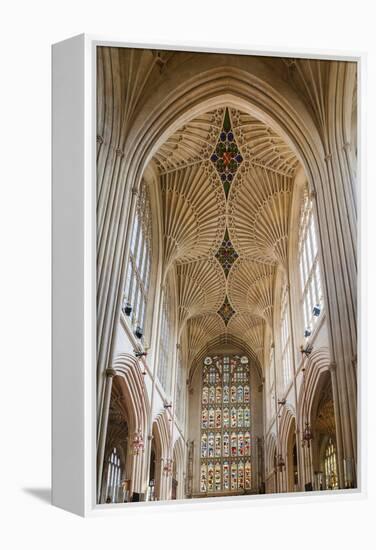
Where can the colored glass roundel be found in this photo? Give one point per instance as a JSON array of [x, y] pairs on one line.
[[225, 426], [226, 254], [226, 311], [226, 156]]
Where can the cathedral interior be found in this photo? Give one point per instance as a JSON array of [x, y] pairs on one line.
[[226, 275]]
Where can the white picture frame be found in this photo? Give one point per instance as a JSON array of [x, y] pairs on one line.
[[74, 276]]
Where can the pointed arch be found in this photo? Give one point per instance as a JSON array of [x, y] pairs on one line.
[[130, 379], [178, 467]]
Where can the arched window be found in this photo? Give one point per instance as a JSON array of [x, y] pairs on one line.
[[225, 425], [309, 267], [285, 336], [139, 263], [330, 465], [164, 368], [113, 477]]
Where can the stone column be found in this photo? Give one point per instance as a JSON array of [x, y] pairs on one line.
[[110, 373], [339, 428]]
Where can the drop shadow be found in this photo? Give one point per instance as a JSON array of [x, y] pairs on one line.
[[41, 493]]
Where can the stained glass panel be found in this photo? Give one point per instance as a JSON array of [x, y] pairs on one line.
[[203, 478], [226, 475], [204, 445], [233, 417], [240, 417], [226, 444], [218, 476], [234, 476], [247, 475], [241, 475], [210, 476], [226, 418], [211, 417], [204, 419], [211, 444]]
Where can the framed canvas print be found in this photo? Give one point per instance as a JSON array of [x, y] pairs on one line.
[[205, 341]]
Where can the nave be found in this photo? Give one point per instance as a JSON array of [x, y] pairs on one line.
[[226, 307]]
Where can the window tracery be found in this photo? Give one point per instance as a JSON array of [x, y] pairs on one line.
[[309, 266], [271, 383], [139, 264], [225, 425], [285, 336], [164, 370], [113, 476]]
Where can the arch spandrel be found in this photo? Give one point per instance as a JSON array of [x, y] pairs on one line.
[[251, 287], [193, 213], [252, 329], [201, 328], [258, 214], [201, 288]]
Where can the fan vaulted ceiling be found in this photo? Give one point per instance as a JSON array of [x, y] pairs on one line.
[[226, 180]]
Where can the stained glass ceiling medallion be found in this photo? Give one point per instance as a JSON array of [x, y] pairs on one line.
[[226, 311], [226, 254], [226, 156]]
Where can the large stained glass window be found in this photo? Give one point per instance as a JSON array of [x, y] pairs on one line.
[[225, 452]]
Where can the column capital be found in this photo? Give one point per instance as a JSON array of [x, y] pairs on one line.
[[110, 372], [332, 366], [346, 146]]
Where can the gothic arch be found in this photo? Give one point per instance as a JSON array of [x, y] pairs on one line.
[[317, 365], [179, 468], [162, 444], [287, 431], [270, 464], [287, 418], [129, 372]]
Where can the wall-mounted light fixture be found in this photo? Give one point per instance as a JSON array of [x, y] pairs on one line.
[[280, 463], [316, 310], [306, 350], [167, 468], [140, 354], [138, 443], [127, 308], [307, 435]]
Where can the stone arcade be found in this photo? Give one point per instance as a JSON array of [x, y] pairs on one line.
[[226, 272]]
